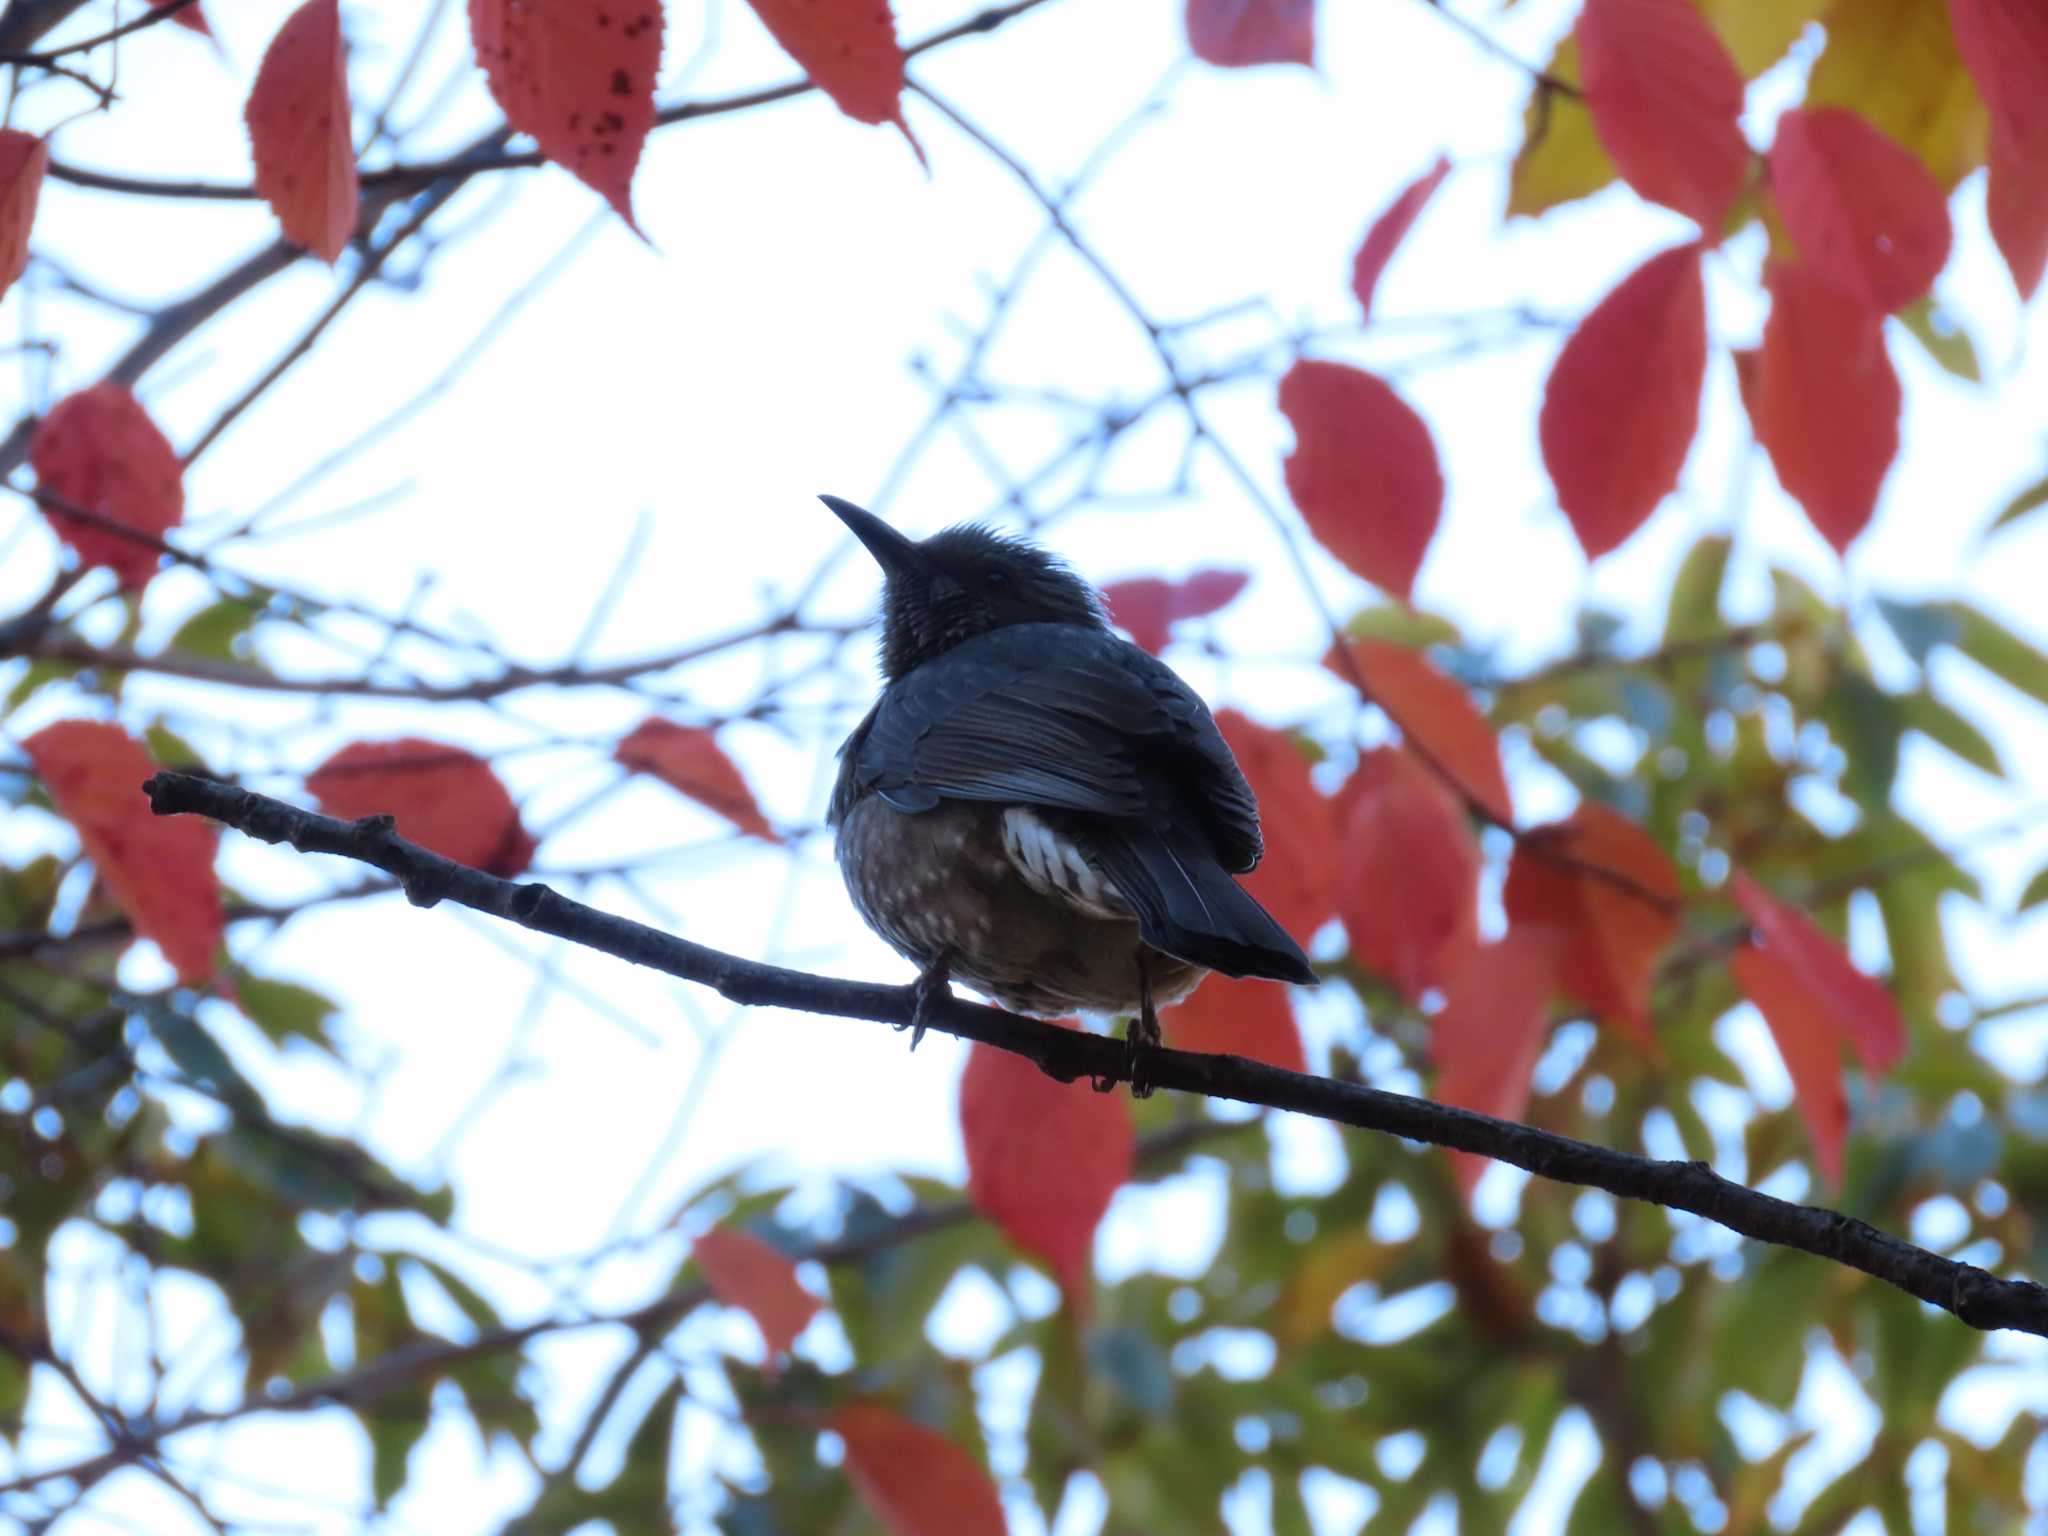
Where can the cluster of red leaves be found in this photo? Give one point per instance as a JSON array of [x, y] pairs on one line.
[[1148, 607]]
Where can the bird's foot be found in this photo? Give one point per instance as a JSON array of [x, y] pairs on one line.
[[932, 987], [1141, 1034]]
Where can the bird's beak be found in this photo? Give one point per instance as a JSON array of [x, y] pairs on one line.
[[896, 555]]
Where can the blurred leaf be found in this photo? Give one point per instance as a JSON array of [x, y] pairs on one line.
[[1943, 338], [284, 1009], [2031, 499], [1932, 108], [1865, 722], [1561, 158], [218, 631], [1919, 627], [1396, 622], [2035, 893], [1694, 612], [1999, 651], [171, 749], [1946, 728]]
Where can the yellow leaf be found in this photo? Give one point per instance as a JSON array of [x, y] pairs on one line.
[[1325, 1272], [1895, 63], [1561, 158], [1758, 32]]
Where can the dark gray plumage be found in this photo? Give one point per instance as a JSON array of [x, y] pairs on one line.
[[1035, 806]]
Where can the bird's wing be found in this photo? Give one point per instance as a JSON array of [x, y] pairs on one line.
[[1064, 717]]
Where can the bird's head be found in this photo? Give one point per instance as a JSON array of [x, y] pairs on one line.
[[962, 583]]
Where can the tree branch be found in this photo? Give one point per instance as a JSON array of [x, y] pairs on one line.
[[1976, 1297]]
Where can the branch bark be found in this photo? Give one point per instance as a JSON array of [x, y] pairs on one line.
[[1981, 1299]]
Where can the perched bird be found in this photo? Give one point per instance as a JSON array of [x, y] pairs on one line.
[[1036, 807]]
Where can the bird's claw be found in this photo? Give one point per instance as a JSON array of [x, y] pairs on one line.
[[932, 987], [1142, 1035]]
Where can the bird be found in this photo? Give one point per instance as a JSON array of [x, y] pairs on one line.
[[1035, 807]]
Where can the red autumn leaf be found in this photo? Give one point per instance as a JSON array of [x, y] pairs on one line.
[[158, 868], [1236, 34], [2004, 44], [298, 119], [1666, 100], [1825, 403], [1864, 211], [849, 49], [1363, 472], [1296, 880], [1811, 1050], [2016, 205], [1623, 400], [1388, 231], [1610, 934], [1229, 1016], [99, 452], [1043, 1159], [1148, 607], [23, 159], [1486, 1038], [1436, 716], [690, 761], [1408, 889], [914, 1480], [745, 1272], [443, 798], [190, 17], [1860, 1009], [578, 75]]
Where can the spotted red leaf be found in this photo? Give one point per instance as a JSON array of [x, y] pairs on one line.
[[1296, 880], [914, 1480], [1043, 1159], [1148, 607], [689, 760], [189, 17], [578, 75], [1436, 716], [2004, 44], [1488, 1035], [849, 49], [1666, 99], [1363, 472], [745, 1272], [99, 453], [2016, 204], [23, 159], [1862, 1012], [1388, 231], [159, 869], [1865, 212], [1236, 34], [1227, 1016], [1408, 886], [1623, 400], [1825, 402], [1611, 932], [443, 798], [298, 118]]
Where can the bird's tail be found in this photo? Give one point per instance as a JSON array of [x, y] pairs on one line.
[[1190, 907]]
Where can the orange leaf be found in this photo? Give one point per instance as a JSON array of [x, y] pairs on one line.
[[190, 17], [298, 119], [443, 798], [1296, 880], [1809, 1046], [1826, 401], [849, 49], [1863, 211], [578, 75], [100, 452], [23, 158], [1436, 717], [1611, 937], [914, 1480], [1666, 100], [1236, 34], [1043, 1159], [2004, 44], [2016, 204], [1389, 230], [1363, 472], [1408, 890], [1229, 1016], [691, 762], [1489, 1033], [745, 1272], [1147, 608], [1623, 400], [159, 868], [1862, 1011]]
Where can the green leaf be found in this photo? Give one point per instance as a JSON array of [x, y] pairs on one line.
[[171, 749], [1946, 728], [1919, 627], [37, 676], [1402, 625], [1943, 338], [397, 1425], [2035, 893], [1694, 612], [1865, 722], [283, 1009], [218, 632], [1999, 651], [2033, 498]]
